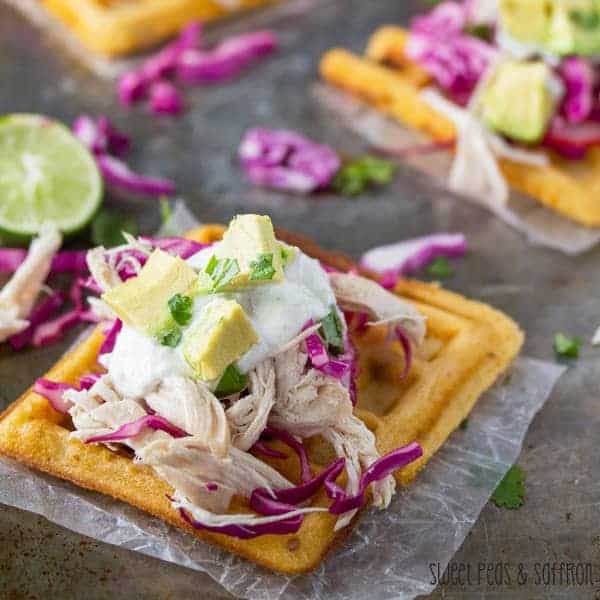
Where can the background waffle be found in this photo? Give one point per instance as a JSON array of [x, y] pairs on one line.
[[385, 78], [468, 346], [117, 27]]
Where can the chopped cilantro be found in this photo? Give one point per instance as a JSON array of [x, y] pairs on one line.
[[181, 308], [262, 268], [221, 272], [108, 226], [566, 346], [231, 382], [585, 19], [331, 331], [510, 492], [464, 424], [171, 337], [481, 31], [165, 211], [440, 267], [355, 176]]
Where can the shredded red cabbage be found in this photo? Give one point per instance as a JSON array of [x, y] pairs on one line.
[[406, 346], [118, 174], [572, 141], [579, 78], [100, 136], [447, 18], [380, 469], [67, 261], [286, 160], [133, 429], [87, 381], [260, 447], [225, 60], [111, 337], [165, 99], [38, 315], [298, 447], [53, 392], [410, 256], [181, 247]]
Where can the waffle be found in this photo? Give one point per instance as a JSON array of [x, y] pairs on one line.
[[385, 78], [118, 27], [468, 346]]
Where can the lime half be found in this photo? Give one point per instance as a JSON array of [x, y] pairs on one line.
[[46, 176]]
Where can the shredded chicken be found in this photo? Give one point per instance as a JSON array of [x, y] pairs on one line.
[[18, 296], [189, 466], [191, 406], [358, 293], [351, 439], [248, 416]]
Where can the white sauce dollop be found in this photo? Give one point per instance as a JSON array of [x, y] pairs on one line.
[[278, 311]]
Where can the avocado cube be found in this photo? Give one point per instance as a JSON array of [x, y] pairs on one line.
[[517, 101], [142, 301], [574, 28], [221, 334], [526, 20], [253, 252]]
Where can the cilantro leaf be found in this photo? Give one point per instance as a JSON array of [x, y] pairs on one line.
[[221, 272], [440, 267], [165, 211], [510, 492], [331, 332], [566, 346], [108, 226], [181, 308], [355, 176], [481, 31], [464, 424], [262, 268], [171, 337], [589, 20], [231, 382]]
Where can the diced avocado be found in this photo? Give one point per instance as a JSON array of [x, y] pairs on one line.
[[560, 27], [250, 247], [143, 301], [517, 100], [574, 28], [221, 335], [526, 20], [288, 253]]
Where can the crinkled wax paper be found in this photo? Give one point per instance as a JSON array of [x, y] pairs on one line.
[[247, 20], [388, 554], [541, 225]]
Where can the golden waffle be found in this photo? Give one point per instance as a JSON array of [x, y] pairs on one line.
[[385, 78], [468, 346], [117, 27]]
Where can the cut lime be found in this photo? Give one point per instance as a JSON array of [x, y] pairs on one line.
[[46, 176]]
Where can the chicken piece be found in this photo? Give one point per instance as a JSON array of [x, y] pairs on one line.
[[192, 469], [191, 406], [360, 294], [307, 401], [248, 416], [18, 296], [351, 439]]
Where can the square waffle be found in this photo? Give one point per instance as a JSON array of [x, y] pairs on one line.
[[468, 346], [118, 27], [387, 79]]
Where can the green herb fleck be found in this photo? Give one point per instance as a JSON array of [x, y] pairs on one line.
[[355, 176], [440, 267], [221, 272], [566, 346], [262, 269], [331, 332], [165, 211], [171, 338], [510, 492], [181, 308], [108, 226], [231, 382], [483, 32], [464, 424], [585, 19]]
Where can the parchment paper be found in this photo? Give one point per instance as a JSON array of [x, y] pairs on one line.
[[541, 225]]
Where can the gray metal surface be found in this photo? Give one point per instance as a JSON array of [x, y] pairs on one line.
[[544, 291]]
